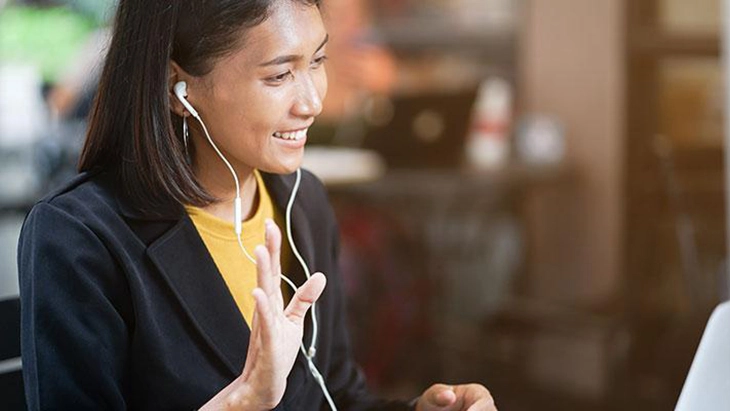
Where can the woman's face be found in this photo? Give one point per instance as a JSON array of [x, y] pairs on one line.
[[259, 101]]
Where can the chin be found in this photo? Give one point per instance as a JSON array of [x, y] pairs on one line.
[[285, 167]]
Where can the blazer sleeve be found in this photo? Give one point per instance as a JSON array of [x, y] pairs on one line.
[[73, 335], [347, 381]]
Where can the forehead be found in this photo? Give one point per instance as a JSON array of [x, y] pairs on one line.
[[291, 28]]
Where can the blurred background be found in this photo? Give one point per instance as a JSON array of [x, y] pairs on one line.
[[531, 193]]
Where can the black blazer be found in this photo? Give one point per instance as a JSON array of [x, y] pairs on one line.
[[126, 310]]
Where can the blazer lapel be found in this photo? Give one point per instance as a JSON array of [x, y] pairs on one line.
[[184, 261], [176, 249]]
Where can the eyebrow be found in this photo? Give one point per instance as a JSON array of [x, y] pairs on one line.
[[292, 57]]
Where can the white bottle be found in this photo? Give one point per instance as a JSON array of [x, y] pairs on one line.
[[488, 144]]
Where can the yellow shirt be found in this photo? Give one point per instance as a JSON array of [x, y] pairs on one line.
[[219, 237]]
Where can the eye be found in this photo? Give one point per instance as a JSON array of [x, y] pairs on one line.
[[319, 61], [280, 78]]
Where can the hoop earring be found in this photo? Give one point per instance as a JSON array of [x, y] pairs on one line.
[[186, 133]]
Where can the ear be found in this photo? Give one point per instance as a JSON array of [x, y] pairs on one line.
[[176, 74]]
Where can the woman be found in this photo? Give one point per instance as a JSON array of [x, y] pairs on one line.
[[134, 293]]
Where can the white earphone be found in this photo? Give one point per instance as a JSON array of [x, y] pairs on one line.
[[181, 92]]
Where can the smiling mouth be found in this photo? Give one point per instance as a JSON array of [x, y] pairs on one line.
[[291, 135]]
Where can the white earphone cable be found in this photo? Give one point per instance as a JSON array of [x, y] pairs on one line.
[[237, 217], [222, 157], [308, 354], [315, 326]]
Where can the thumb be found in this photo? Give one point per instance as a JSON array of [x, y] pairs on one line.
[[436, 397], [305, 296]]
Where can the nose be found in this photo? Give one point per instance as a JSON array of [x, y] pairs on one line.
[[309, 99]]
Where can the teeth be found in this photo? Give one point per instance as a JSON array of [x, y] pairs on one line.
[[294, 135]]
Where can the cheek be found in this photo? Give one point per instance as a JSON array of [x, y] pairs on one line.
[[263, 113], [322, 84], [270, 108]]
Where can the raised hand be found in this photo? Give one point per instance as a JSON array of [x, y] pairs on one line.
[[276, 333]]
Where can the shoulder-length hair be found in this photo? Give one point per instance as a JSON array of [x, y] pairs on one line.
[[133, 132]]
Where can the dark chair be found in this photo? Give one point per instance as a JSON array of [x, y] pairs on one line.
[[11, 376]]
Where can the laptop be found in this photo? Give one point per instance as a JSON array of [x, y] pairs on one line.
[[422, 130], [707, 387]]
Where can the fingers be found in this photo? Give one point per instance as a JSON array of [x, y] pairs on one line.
[[268, 264], [445, 397], [440, 395], [264, 275], [305, 296], [485, 404], [477, 397], [468, 397], [264, 316], [273, 244], [253, 346]]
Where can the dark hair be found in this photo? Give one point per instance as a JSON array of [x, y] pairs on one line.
[[132, 130]]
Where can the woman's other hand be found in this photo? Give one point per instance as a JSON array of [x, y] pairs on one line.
[[469, 397]]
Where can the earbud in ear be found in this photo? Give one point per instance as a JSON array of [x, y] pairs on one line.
[[181, 92]]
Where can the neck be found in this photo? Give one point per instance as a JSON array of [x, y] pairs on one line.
[[216, 178]]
